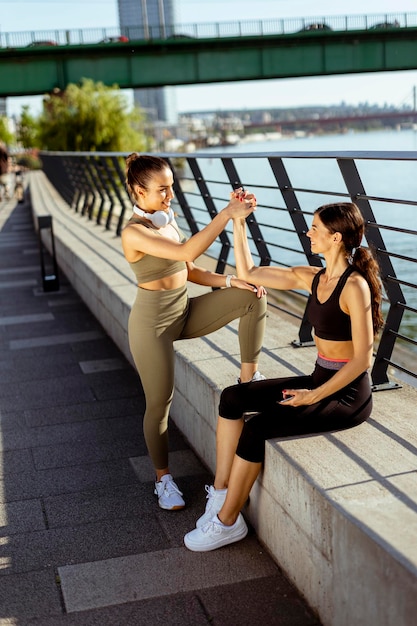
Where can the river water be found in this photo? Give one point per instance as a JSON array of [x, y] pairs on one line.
[[396, 180]]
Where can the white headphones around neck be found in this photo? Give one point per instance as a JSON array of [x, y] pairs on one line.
[[159, 219]]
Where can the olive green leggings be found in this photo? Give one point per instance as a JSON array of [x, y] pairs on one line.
[[158, 318]]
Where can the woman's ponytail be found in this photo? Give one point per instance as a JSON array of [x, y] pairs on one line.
[[364, 261]]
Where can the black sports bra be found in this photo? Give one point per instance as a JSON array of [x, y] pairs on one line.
[[327, 318]]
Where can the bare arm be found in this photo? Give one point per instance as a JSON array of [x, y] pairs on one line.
[[136, 239], [202, 276], [274, 277]]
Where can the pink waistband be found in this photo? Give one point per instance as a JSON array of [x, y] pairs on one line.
[[331, 364], [325, 358]]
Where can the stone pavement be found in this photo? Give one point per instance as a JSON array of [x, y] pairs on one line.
[[83, 541]]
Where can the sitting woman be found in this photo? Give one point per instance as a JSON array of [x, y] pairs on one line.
[[345, 312]]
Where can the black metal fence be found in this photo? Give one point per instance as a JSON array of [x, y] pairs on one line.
[[288, 187]]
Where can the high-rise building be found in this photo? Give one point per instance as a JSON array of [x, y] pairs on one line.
[[3, 107], [156, 18]]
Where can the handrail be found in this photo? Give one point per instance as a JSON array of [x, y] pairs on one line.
[[247, 28], [289, 186]]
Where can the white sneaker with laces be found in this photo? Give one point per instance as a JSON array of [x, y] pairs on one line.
[[255, 378], [214, 535], [169, 496], [215, 501]]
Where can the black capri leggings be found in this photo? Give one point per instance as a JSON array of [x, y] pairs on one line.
[[346, 408]]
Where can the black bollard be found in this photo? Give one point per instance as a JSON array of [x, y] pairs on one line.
[[50, 278]]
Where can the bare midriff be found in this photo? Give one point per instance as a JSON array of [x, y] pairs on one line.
[[336, 350], [167, 283]]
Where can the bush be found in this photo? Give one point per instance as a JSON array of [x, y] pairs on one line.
[[29, 161]]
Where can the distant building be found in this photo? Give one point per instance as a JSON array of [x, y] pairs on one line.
[[3, 107], [154, 18]]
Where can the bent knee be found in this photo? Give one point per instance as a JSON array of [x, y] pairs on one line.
[[230, 403]]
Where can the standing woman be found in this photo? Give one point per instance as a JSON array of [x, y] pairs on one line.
[[345, 312], [163, 261]]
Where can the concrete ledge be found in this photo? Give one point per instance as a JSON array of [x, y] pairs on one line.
[[90, 257], [338, 511]]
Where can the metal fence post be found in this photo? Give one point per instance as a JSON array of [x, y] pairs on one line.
[[50, 277]]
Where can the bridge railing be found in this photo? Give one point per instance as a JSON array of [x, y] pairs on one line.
[[289, 187], [255, 28]]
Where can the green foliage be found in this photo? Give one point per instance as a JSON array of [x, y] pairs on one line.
[[29, 161], [27, 130], [90, 117], [5, 135]]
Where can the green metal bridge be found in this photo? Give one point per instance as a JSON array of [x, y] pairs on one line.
[[38, 63]]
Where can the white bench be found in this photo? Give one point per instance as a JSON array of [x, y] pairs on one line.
[[338, 511]]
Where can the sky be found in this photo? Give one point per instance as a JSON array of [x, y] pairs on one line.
[[394, 88]]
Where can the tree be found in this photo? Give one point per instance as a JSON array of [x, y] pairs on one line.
[[27, 129], [6, 136], [90, 117]]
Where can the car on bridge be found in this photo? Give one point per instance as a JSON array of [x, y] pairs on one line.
[[117, 39], [180, 36], [42, 43], [394, 24], [315, 26]]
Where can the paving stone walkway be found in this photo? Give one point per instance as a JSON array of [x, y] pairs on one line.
[[82, 539]]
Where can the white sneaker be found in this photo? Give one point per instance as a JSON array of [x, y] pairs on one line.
[[255, 378], [169, 496], [215, 501], [214, 535]]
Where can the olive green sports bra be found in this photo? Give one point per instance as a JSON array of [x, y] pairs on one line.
[[150, 267]]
